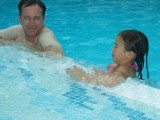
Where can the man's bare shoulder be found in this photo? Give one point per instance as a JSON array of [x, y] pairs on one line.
[[11, 33], [47, 36], [49, 42], [15, 28], [46, 31]]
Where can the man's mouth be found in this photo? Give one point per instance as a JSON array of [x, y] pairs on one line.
[[31, 29]]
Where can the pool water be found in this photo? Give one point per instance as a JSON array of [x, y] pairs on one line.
[[87, 28], [35, 85]]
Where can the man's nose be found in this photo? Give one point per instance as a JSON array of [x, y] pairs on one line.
[[32, 21]]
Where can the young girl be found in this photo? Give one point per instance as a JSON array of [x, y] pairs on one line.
[[131, 46]]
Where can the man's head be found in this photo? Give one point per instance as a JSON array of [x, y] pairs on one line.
[[31, 16], [26, 3]]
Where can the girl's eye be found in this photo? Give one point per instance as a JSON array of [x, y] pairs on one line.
[[115, 46]]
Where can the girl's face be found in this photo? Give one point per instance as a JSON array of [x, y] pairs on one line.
[[119, 53]]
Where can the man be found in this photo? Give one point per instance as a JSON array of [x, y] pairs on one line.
[[32, 30]]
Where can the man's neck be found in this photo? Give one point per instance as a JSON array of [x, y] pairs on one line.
[[31, 39]]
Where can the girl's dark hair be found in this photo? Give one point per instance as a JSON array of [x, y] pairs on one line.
[[137, 42], [26, 3]]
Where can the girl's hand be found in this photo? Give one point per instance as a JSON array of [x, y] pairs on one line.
[[76, 73]]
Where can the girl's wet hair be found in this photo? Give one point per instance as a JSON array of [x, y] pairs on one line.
[[26, 3], [137, 42]]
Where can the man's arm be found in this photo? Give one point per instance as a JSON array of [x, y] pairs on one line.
[[9, 33], [48, 42]]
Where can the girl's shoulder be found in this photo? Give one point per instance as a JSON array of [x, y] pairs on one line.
[[126, 72]]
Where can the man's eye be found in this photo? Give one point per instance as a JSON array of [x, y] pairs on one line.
[[27, 18], [38, 18]]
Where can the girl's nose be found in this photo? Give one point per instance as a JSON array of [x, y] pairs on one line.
[[112, 48]]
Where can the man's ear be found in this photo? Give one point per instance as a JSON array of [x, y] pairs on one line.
[[19, 17], [44, 18]]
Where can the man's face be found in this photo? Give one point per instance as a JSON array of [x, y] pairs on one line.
[[32, 20]]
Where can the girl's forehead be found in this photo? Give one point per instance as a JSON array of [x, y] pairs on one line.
[[119, 40]]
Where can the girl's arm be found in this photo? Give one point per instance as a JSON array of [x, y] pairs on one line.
[[97, 78]]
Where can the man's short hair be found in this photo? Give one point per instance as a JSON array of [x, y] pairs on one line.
[[26, 3]]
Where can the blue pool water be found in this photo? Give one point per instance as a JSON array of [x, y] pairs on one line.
[[34, 86]]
